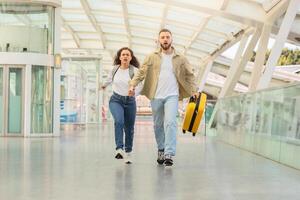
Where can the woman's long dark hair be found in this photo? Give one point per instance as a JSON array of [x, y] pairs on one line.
[[133, 61]]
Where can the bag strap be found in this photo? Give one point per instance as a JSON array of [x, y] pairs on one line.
[[114, 71], [116, 67], [131, 71]]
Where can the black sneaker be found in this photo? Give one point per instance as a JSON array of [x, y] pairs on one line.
[[119, 154], [168, 160], [160, 157]]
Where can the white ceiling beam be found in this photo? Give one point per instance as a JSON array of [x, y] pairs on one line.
[[76, 22], [93, 21], [216, 33], [277, 10], [85, 32], [65, 51], [90, 43], [224, 4], [236, 38], [112, 25], [204, 76], [206, 51], [208, 43], [198, 57], [178, 24], [182, 25], [235, 68], [126, 22], [72, 10], [294, 34], [93, 49], [107, 13], [260, 57], [231, 12], [72, 32], [268, 5], [239, 63], [229, 22], [65, 44], [145, 18], [197, 33], [144, 44], [164, 16]]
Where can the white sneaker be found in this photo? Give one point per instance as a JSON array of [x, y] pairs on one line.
[[128, 158], [119, 154]]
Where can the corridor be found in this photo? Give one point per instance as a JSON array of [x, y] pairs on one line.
[[80, 165]]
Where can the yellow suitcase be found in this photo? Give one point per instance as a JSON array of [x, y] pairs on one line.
[[193, 113]]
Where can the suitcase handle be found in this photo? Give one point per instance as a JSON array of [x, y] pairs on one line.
[[193, 99]]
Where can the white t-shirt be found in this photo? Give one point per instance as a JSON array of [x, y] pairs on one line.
[[167, 82], [120, 82]]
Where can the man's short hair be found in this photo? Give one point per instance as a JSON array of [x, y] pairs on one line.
[[164, 30]]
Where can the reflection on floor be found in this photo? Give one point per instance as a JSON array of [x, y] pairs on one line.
[[80, 165]]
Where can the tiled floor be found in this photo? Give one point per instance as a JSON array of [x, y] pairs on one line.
[[80, 165]]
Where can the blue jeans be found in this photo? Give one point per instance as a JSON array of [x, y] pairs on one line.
[[123, 110], [165, 124]]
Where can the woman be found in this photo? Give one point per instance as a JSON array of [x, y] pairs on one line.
[[122, 106]]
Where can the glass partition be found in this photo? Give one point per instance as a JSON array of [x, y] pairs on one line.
[[1, 100], [266, 122], [15, 101], [26, 28], [42, 100], [79, 91]]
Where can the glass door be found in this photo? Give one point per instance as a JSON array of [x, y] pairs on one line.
[[15, 93], [11, 100]]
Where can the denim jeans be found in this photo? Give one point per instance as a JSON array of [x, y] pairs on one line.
[[165, 124], [123, 110]]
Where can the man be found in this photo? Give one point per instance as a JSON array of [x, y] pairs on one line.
[[168, 78]]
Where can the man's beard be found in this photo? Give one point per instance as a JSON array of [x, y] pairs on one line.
[[165, 47]]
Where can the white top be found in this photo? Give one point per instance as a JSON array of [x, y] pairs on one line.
[[120, 84], [167, 82]]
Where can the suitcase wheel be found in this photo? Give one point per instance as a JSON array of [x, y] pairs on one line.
[[194, 134], [183, 131]]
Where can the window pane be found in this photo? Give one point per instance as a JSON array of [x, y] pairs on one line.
[[42, 100], [25, 27]]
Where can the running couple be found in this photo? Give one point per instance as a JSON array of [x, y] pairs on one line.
[[167, 78]]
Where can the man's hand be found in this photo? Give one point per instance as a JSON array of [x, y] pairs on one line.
[[196, 95], [131, 91]]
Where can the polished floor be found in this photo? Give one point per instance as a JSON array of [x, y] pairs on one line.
[[80, 165]]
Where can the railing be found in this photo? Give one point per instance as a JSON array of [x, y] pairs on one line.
[[265, 122]]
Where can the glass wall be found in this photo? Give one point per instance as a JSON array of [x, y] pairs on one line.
[[26, 28], [265, 122], [79, 86], [42, 99], [15, 101], [1, 100]]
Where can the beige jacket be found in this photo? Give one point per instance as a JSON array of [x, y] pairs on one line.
[[150, 70]]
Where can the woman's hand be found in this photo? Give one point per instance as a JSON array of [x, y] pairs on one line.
[[131, 91]]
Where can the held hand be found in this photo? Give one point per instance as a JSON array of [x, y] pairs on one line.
[[196, 95], [131, 91]]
